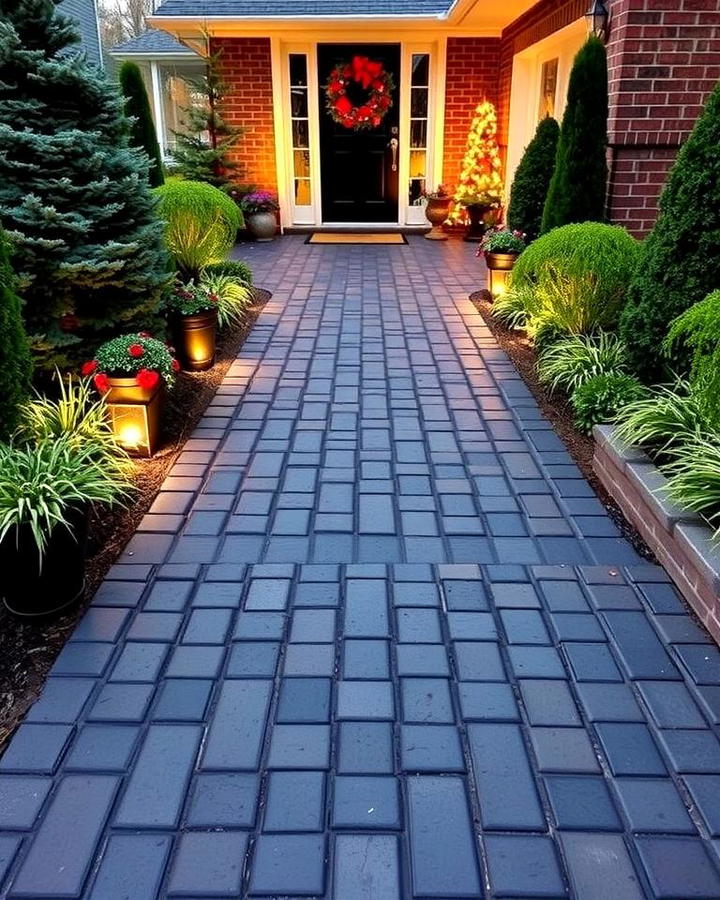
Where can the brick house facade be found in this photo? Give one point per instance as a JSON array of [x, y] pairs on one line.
[[663, 57]]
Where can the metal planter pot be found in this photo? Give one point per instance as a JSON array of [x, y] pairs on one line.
[[194, 339]]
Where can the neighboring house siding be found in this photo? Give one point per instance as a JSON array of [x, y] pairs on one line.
[[663, 63], [472, 76], [85, 14], [246, 69]]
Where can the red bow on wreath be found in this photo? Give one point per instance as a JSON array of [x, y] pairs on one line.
[[365, 71]]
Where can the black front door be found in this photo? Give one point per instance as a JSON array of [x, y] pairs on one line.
[[359, 168]]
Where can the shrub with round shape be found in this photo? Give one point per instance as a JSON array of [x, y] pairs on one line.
[[577, 276], [201, 224], [601, 398]]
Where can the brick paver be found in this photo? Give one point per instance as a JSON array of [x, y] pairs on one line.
[[376, 639]]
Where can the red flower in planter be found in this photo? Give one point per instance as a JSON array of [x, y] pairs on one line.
[[145, 334], [175, 365], [147, 378], [136, 350], [89, 367], [101, 382]]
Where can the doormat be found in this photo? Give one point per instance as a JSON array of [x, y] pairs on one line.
[[355, 237]]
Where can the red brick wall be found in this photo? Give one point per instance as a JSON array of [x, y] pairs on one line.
[[542, 20], [246, 70], [472, 76], [664, 59]]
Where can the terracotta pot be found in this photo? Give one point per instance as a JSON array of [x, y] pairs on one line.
[[33, 587], [477, 227], [194, 339], [436, 212], [261, 225]]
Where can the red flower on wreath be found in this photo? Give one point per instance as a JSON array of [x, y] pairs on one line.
[[371, 77], [136, 350], [101, 382], [89, 367], [147, 378]]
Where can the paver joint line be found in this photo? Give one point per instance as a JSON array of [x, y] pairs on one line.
[[376, 639]]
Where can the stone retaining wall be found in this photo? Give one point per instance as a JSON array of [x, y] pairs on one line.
[[680, 540]]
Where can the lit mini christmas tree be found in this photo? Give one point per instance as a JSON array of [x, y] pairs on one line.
[[480, 181]]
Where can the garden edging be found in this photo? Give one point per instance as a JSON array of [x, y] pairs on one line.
[[680, 539]]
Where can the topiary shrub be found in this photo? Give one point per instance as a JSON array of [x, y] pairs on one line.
[[602, 397], [532, 180], [681, 256], [575, 277], [579, 183], [15, 364], [201, 224], [142, 129]]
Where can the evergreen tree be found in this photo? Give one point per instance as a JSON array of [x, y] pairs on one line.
[[142, 130], [202, 151], [480, 179], [74, 198], [680, 262], [532, 180], [579, 184], [15, 364]]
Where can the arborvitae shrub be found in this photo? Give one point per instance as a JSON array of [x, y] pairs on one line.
[[532, 180], [142, 130], [579, 182], [680, 263], [15, 365]]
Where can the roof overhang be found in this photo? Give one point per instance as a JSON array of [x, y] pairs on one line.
[[478, 18]]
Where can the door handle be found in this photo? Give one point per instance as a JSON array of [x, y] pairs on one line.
[[394, 144]]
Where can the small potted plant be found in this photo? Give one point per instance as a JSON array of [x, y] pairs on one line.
[[479, 208], [436, 210], [132, 368], [193, 314], [45, 492], [500, 248], [259, 209]]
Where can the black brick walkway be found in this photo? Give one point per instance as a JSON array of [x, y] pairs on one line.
[[377, 639]]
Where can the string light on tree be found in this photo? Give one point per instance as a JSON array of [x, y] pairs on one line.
[[480, 182]]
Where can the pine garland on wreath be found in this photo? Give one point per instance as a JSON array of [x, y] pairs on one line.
[[74, 197]]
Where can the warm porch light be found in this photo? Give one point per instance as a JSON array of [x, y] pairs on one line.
[[137, 424], [597, 18]]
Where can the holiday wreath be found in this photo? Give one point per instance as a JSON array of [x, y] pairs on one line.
[[373, 79]]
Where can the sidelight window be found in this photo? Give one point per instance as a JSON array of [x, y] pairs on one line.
[[300, 123], [419, 105]]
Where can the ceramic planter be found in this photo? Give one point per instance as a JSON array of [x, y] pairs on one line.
[[194, 339], [261, 225], [33, 587], [436, 212], [136, 414]]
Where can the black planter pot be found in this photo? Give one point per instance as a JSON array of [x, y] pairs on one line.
[[477, 227], [194, 339], [33, 588]]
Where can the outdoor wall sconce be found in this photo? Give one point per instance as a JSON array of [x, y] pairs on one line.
[[135, 421], [598, 17]]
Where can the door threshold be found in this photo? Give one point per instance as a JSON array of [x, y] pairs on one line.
[[363, 228]]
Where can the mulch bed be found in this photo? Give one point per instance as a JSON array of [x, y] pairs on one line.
[[558, 411], [27, 648]]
